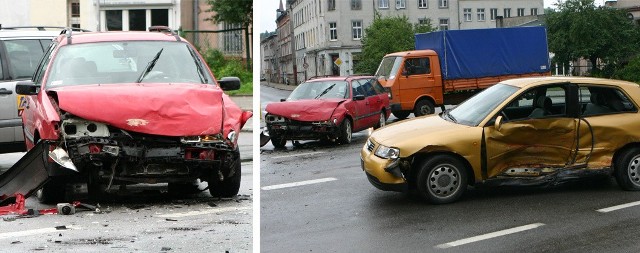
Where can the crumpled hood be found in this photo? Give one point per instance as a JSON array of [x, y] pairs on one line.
[[305, 110], [159, 109]]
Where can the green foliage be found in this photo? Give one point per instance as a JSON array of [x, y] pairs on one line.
[[631, 72], [224, 67], [604, 36], [232, 11], [387, 35]]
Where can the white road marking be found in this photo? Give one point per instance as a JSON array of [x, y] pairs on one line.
[[314, 181], [203, 212], [489, 235], [618, 207], [301, 154], [8, 235]]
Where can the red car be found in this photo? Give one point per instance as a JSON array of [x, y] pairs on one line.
[[328, 109], [132, 107]]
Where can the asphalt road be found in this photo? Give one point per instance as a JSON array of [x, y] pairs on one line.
[[145, 219], [315, 198]]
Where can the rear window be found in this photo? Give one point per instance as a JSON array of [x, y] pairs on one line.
[[24, 55]]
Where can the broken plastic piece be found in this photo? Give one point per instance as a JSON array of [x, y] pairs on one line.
[[61, 157]]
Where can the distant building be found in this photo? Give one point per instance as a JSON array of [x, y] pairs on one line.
[[268, 53], [631, 6], [284, 50], [328, 33]]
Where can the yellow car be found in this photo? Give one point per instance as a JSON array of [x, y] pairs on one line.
[[520, 132]]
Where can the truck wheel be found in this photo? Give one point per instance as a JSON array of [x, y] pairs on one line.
[[188, 188], [278, 141], [53, 191], [627, 169], [345, 132], [423, 107], [401, 114], [442, 179], [230, 186], [381, 121]]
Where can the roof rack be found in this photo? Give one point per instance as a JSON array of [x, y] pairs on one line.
[[42, 28], [316, 77], [164, 29]]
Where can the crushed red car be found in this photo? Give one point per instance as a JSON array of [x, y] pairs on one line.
[[330, 108], [131, 107]]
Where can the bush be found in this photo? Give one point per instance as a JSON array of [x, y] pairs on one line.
[[223, 67], [630, 72]]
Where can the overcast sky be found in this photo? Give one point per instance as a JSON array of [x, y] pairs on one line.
[[266, 12]]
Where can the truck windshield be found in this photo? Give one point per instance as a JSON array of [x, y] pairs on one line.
[[389, 67], [319, 90], [472, 111]]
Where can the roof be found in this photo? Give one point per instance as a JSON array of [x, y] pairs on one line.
[[413, 52], [31, 33], [337, 78], [89, 37], [535, 81]]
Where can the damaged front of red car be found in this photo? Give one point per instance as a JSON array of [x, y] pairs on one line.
[[126, 108]]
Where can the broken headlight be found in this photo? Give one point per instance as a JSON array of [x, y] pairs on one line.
[[201, 138], [387, 152]]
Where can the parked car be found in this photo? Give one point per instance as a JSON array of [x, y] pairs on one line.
[[20, 53], [132, 107], [520, 132], [328, 109]]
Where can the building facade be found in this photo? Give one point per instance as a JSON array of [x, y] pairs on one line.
[[284, 51], [328, 33], [269, 50]]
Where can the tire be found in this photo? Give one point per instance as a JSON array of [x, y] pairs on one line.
[[230, 186], [179, 189], [278, 142], [382, 121], [52, 192], [423, 107], [442, 179], [345, 132], [627, 169], [401, 114]]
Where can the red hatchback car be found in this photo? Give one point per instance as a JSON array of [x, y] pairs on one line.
[[131, 107], [328, 109]]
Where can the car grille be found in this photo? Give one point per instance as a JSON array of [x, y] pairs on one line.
[[370, 145]]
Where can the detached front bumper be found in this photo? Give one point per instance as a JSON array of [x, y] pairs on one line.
[[380, 172], [303, 130]]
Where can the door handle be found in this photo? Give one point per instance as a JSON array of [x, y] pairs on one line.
[[4, 91]]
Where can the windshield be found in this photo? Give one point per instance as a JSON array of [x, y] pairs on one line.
[[320, 90], [389, 67], [476, 108], [125, 62]]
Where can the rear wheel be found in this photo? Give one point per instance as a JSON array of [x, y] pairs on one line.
[[627, 169], [442, 179], [345, 132], [229, 186], [401, 114], [423, 107], [381, 121], [278, 141]]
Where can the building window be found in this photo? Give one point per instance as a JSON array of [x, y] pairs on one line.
[[400, 4], [137, 20], [520, 12], [356, 4], [443, 4], [232, 40], [383, 4], [507, 12], [534, 11], [423, 4], [480, 14], [356, 29], [444, 24], [160, 17], [467, 14], [494, 13], [75, 10], [424, 21], [75, 26], [114, 20], [333, 31], [331, 5]]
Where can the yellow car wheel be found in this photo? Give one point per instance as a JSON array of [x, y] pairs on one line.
[[442, 179]]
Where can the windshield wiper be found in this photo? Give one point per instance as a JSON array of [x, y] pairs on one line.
[[149, 66], [203, 78], [446, 113], [325, 91]]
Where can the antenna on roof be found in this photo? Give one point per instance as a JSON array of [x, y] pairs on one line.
[[67, 31]]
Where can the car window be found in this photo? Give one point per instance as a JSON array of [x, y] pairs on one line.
[[376, 86], [44, 62], [319, 90], [603, 100], [540, 102], [417, 66], [1, 74], [367, 87], [125, 62], [357, 89], [24, 56]]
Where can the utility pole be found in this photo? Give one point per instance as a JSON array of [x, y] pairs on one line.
[[293, 42]]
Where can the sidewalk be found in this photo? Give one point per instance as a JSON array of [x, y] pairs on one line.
[[245, 139], [279, 86], [246, 103]]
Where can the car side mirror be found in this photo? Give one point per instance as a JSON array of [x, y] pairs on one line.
[[358, 97], [27, 88], [498, 123], [229, 83]]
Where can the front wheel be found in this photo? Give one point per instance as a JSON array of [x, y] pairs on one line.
[[345, 132], [401, 114], [53, 191], [423, 107], [229, 186], [627, 169], [278, 141], [442, 179]]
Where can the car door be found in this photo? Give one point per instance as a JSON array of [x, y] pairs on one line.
[[527, 142], [9, 119], [374, 102], [415, 80], [361, 106]]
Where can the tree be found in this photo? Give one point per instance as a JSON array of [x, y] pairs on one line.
[[603, 36], [234, 12], [387, 35]]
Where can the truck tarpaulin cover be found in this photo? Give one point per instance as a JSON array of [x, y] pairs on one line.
[[488, 52]]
